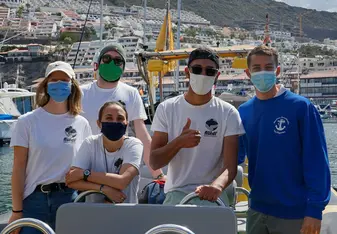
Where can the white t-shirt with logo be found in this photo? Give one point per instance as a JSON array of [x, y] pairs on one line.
[[200, 165], [93, 156], [95, 97], [52, 142]]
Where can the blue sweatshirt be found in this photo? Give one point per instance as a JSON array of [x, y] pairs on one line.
[[289, 173], [242, 151]]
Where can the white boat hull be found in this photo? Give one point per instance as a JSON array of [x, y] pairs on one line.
[[6, 128]]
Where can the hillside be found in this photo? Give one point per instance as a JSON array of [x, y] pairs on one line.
[[316, 24], [28, 72]]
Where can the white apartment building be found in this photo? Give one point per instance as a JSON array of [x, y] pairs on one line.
[[318, 64], [88, 50], [187, 17], [328, 41], [73, 5], [276, 35], [44, 25], [25, 54], [84, 48], [131, 45], [4, 14], [11, 3], [18, 25]]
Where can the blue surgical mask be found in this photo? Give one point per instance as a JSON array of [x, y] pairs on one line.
[[113, 130], [59, 91], [263, 81]]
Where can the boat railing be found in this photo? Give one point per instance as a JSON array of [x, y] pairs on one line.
[[82, 195], [190, 196], [169, 228], [28, 222]]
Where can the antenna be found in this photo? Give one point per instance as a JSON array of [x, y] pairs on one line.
[[267, 40]]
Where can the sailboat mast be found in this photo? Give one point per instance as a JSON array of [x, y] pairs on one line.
[[167, 36], [166, 47], [178, 44], [144, 26], [101, 25], [298, 73]]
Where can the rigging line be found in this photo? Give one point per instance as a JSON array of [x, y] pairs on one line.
[[79, 44]]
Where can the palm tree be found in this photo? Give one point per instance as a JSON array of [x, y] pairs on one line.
[[19, 11]]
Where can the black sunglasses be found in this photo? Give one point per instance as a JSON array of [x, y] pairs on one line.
[[108, 58], [209, 71]]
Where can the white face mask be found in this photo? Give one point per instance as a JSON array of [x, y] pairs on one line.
[[201, 84]]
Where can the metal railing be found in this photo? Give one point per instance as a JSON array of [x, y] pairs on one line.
[[190, 196], [242, 213], [82, 195], [28, 222], [169, 228]]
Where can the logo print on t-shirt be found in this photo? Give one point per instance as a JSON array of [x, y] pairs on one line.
[[70, 135], [211, 126], [281, 124]]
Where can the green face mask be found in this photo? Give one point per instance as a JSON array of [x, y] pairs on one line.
[[110, 72]]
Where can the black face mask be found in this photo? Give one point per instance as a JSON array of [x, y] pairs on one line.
[[114, 131]]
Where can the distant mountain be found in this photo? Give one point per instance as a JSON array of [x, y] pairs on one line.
[[316, 24]]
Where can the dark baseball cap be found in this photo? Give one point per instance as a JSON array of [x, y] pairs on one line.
[[204, 53]]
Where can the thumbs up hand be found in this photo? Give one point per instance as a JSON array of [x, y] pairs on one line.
[[187, 125], [189, 138]]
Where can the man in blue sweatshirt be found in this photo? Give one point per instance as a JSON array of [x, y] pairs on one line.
[[289, 173]]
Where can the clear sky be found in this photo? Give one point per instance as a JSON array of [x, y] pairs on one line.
[[327, 5]]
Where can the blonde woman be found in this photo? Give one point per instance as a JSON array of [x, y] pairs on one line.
[[45, 142]]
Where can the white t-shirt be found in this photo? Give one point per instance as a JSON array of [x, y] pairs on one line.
[[95, 97], [91, 156], [281, 91], [52, 142], [202, 164]]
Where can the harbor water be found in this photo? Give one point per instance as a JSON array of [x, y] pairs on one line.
[[6, 160]]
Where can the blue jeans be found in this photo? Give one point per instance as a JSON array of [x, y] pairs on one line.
[[43, 206]]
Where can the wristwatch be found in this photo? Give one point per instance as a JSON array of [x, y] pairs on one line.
[[86, 174]]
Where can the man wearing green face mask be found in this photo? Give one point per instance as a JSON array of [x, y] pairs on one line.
[[109, 68]]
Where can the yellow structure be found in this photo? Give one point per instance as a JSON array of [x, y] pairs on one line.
[[240, 63], [164, 42], [245, 184]]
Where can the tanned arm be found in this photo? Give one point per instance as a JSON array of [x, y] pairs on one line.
[[143, 135], [230, 154], [18, 176], [161, 151], [117, 181], [114, 194]]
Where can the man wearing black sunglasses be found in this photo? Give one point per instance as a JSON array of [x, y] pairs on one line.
[[109, 66], [196, 135]]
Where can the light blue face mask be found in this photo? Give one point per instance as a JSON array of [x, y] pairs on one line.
[[59, 91], [263, 81]]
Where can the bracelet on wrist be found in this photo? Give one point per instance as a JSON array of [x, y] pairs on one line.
[[160, 176], [17, 211]]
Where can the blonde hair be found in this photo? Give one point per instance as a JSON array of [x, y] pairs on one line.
[[74, 99]]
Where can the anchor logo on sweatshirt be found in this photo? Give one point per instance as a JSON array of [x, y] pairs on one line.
[[281, 125]]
